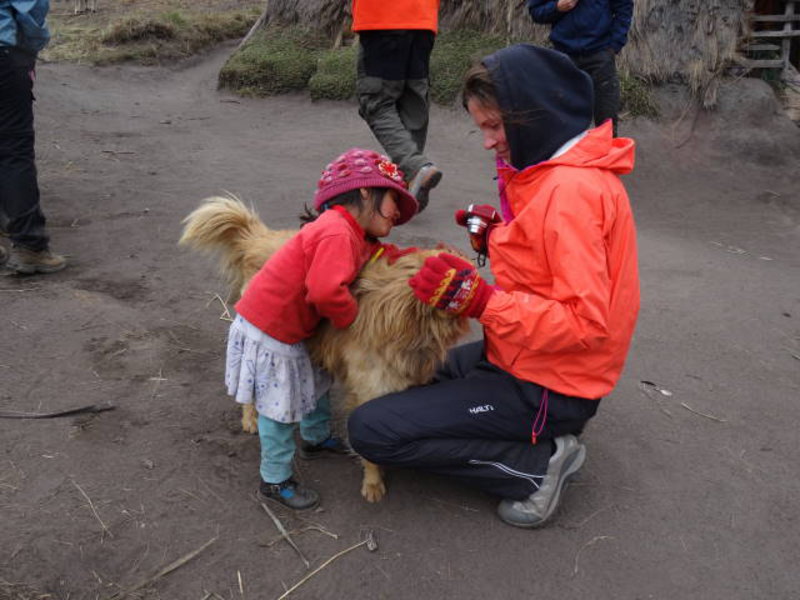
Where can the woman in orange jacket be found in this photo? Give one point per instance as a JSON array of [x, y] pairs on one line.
[[504, 413]]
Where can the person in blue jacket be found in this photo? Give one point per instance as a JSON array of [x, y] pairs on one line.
[[591, 33], [23, 33]]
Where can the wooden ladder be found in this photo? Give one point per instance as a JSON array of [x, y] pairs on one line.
[[767, 40]]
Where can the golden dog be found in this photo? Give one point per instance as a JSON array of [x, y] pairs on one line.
[[395, 342]]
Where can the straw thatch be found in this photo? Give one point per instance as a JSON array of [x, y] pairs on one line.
[[690, 40]]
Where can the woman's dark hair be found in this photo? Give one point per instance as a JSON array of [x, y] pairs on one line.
[[478, 86], [350, 198]]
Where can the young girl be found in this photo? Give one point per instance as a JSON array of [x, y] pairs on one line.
[[360, 197]]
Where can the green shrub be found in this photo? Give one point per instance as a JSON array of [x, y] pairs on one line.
[[335, 78], [275, 61], [636, 97], [454, 53]]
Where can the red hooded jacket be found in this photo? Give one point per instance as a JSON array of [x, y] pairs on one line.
[[566, 266]]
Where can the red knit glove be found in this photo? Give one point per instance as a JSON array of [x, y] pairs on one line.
[[479, 219], [452, 284], [391, 252]]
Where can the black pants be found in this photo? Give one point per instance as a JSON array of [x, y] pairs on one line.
[[602, 68], [474, 423], [20, 214]]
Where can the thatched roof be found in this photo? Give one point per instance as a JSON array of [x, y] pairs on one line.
[[689, 39], [693, 40]]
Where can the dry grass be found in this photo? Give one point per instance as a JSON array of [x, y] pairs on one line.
[[19, 591], [146, 31]]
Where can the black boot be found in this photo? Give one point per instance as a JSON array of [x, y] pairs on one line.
[[290, 493]]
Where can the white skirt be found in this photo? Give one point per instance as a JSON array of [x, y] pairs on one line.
[[279, 378]]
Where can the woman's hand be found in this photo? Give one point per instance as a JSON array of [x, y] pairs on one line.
[[451, 284]]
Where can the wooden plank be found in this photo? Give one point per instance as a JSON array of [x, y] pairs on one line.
[[760, 64], [775, 34], [775, 18], [761, 48]]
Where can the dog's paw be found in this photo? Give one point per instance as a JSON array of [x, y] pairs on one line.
[[373, 491], [249, 419], [372, 487]]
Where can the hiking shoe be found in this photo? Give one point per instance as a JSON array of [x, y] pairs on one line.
[[333, 446], [540, 506], [427, 178], [290, 494], [29, 262]]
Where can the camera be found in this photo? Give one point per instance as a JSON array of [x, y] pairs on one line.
[[479, 217]]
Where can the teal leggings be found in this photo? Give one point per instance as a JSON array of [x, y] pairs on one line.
[[277, 440]]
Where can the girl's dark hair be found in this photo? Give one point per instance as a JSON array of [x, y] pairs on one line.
[[350, 198], [478, 86]]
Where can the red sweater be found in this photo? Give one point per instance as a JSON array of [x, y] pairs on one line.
[[308, 279]]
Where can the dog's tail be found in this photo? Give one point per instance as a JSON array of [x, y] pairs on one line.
[[224, 226]]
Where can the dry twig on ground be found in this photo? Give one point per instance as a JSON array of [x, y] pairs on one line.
[[285, 534], [94, 510], [165, 571], [369, 542]]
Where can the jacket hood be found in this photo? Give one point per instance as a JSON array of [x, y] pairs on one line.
[[597, 149], [600, 149], [545, 100]]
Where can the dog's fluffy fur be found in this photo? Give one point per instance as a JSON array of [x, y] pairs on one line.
[[394, 343]]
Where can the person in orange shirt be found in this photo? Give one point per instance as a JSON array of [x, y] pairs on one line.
[[504, 414], [395, 44]]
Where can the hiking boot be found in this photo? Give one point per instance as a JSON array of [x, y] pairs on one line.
[[333, 446], [537, 508], [29, 262], [427, 178], [290, 494], [3, 255]]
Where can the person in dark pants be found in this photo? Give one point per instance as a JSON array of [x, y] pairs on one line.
[[591, 33], [504, 414], [393, 87], [23, 33]]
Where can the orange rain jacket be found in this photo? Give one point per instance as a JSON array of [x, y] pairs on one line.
[[567, 270], [395, 14]]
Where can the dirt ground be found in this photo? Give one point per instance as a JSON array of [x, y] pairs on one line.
[[690, 489]]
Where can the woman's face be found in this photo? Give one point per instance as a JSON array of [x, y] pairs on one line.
[[490, 122], [379, 223]]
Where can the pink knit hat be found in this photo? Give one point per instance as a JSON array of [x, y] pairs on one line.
[[360, 168]]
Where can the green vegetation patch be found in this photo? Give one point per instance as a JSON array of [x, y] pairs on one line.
[[453, 54], [636, 97], [143, 38], [274, 61], [335, 78]]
